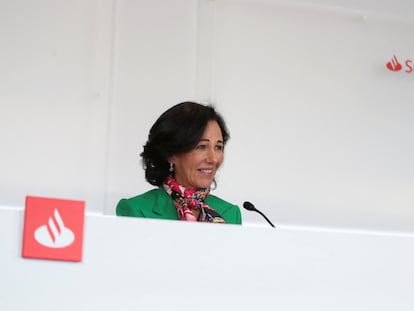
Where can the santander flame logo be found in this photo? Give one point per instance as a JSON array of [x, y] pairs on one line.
[[54, 234], [394, 65]]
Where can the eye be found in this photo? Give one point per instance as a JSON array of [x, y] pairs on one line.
[[219, 147], [201, 146]]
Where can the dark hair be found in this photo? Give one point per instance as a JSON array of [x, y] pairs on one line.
[[177, 130]]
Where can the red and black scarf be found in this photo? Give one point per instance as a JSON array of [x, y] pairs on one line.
[[186, 200]]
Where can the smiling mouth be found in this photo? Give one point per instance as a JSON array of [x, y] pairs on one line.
[[205, 171]]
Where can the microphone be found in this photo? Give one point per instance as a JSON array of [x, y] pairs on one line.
[[250, 207]]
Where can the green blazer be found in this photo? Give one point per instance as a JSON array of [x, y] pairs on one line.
[[157, 203]]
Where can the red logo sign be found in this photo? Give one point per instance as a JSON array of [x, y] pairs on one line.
[[53, 229], [395, 65]]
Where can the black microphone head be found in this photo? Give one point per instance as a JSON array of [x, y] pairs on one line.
[[249, 206]]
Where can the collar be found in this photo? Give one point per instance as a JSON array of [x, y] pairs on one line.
[[164, 205]]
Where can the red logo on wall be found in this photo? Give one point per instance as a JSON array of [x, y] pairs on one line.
[[53, 229], [394, 65]]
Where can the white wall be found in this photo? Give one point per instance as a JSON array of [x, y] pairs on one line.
[[55, 66], [154, 68], [320, 128]]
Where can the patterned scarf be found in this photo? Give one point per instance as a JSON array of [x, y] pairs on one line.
[[187, 199]]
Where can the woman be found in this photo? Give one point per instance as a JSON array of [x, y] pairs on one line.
[[185, 148]]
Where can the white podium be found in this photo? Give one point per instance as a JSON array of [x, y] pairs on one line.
[[140, 264]]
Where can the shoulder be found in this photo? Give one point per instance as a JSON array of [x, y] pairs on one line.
[[229, 211], [136, 205], [219, 201], [144, 196]]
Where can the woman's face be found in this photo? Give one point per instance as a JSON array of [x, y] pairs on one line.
[[197, 168]]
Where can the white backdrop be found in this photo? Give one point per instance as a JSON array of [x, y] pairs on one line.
[[321, 131]]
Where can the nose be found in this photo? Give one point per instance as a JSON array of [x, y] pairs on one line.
[[212, 156]]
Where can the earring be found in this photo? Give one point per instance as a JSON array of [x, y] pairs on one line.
[[171, 167]]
